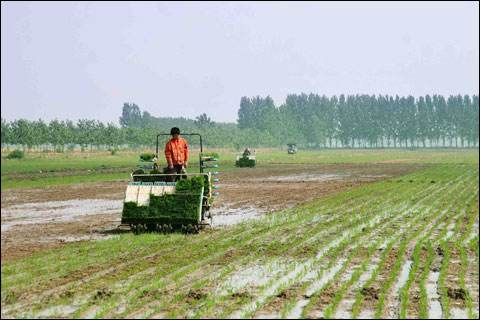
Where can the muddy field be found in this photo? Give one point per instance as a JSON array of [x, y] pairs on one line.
[[38, 219], [405, 247]]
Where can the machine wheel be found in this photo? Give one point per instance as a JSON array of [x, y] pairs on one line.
[[135, 228], [164, 228], [196, 229]]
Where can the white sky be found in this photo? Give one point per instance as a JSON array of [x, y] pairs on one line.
[[84, 60]]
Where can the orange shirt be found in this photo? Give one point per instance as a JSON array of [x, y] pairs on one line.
[[176, 151]]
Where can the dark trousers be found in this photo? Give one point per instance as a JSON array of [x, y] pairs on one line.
[[177, 168]]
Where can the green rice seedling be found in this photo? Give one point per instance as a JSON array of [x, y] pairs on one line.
[[184, 203], [331, 308], [210, 155], [463, 270], [473, 245], [411, 277], [324, 239], [444, 300], [284, 311], [393, 275], [147, 156], [132, 210], [423, 303], [158, 262], [359, 296], [333, 305], [245, 162]]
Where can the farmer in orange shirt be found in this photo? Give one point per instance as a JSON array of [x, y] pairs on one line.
[[176, 153]]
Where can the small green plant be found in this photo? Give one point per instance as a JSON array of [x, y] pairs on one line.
[[245, 162], [16, 154], [147, 156], [113, 151], [210, 155]]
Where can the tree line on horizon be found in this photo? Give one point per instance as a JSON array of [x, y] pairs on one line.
[[366, 120], [312, 121]]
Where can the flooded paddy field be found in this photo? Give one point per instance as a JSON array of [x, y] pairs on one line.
[[288, 241], [35, 219]]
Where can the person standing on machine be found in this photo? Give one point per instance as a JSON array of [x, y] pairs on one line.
[[176, 153]]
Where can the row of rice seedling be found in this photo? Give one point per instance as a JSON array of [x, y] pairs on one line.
[[290, 235], [391, 251], [422, 258], [307, 235], [424, 226], [450, 203], [179, 313], [329, 310], [157, 270], [340, 244], [147, 277], [284, 312], [248, 232], [404, 257]]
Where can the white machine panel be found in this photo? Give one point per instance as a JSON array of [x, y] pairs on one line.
[[144, 195], [131, 195]]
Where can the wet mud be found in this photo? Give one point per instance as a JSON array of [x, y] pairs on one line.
[[37, 219]]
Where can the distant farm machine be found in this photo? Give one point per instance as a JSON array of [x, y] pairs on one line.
[[246, 159], [159, 201], [292, 148]]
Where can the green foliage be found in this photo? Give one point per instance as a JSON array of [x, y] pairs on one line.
[[313, 121], [203, 121], [191, 185], [365, 121], [131, 116], [185, 206], [131, 210], [147, 156], [16, 154], [245, 162], [210, 155]]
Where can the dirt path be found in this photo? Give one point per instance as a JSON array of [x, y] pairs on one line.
[[38, 219]]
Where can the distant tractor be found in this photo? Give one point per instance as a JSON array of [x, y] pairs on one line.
[[158, 201], [247, 159], [292, 148]]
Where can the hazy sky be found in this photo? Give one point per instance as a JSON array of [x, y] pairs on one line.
[[84, 60]]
